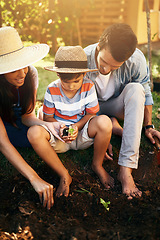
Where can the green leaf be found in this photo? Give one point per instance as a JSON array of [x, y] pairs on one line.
[[71, 130], [83, 190], [105, 204]]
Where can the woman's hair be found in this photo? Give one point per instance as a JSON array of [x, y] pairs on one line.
[[120, 40], [8, 97]]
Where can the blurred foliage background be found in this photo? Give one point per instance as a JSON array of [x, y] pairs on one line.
[[48, 21], [54, 22]]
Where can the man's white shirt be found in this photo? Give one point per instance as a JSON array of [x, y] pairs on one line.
[[105, 86]]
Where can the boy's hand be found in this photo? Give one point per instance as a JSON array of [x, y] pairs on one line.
[[68, 134], [73, 133], [62, 127], [109, 153]]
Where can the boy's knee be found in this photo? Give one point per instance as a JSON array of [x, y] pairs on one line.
[[104, 123]]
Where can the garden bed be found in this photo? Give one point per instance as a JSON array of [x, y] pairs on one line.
[[81, 215]]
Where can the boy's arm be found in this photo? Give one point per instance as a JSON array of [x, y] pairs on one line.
[[83, 121], [49, 118], [77, 127]]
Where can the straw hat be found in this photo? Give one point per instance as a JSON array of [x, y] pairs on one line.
[[13, 55], [70, 59]]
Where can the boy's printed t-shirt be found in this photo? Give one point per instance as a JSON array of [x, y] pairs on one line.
[[66, 110]]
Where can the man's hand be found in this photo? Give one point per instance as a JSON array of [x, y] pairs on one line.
[[150, 133]]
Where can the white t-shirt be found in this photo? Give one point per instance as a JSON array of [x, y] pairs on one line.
[[105, 86]]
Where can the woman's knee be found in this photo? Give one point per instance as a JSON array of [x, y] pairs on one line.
[[36, 133]]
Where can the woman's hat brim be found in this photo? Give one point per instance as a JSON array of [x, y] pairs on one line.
[[22, 58], [69, 70]]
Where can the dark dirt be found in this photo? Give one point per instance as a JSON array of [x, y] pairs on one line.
[[81, 216]]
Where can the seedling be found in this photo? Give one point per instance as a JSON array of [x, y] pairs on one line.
[[102, 201], [105, 204], [84, 190], [68, 130], [71, 130]]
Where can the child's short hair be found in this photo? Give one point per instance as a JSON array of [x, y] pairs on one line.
[[69, 76]]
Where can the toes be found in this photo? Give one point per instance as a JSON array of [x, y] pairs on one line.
[[58, 194], [129, 197], [66, 193], [133, 193], [138, 193], [63, 191]]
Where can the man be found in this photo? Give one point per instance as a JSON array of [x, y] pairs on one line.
[[123, 89]]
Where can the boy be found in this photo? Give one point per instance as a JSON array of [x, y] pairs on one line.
[[72, 101]]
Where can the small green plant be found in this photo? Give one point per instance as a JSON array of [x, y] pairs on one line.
[[84, 190], [68, 130], [105, 204], [71, 130], [102, 201]]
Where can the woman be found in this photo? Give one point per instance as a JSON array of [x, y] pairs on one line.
[[18, 87]]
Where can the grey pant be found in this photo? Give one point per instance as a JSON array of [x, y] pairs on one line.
[[129, 105]]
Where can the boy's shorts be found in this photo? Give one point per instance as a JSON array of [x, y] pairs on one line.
[[82, 141]]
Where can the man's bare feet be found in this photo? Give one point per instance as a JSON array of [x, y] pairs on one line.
[[104, 177], [116, 129], [63, 188], [128, 185]]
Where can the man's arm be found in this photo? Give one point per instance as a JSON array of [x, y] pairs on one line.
[[147, 115]]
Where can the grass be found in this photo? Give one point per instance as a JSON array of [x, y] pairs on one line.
[[45, 77]]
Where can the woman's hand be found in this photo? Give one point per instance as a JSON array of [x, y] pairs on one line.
[[45, 191]]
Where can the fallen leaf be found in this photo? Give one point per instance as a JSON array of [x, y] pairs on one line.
[[25, 211], [147, 192]]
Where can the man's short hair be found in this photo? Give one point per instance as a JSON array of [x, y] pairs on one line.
[[120, 39]]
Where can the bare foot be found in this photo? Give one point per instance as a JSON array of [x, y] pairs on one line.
[[117, 129], [63, 188], [104, 177], [128, 185]]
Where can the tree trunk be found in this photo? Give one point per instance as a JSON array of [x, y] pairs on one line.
[[0, 15], [149, 41]]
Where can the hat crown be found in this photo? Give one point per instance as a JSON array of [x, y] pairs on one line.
[[9, 40], [70, 53]]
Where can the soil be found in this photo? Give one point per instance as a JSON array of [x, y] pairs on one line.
[[82, 216]]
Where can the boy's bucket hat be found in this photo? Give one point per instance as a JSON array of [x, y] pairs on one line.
[[13, 55], [70, 59]]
